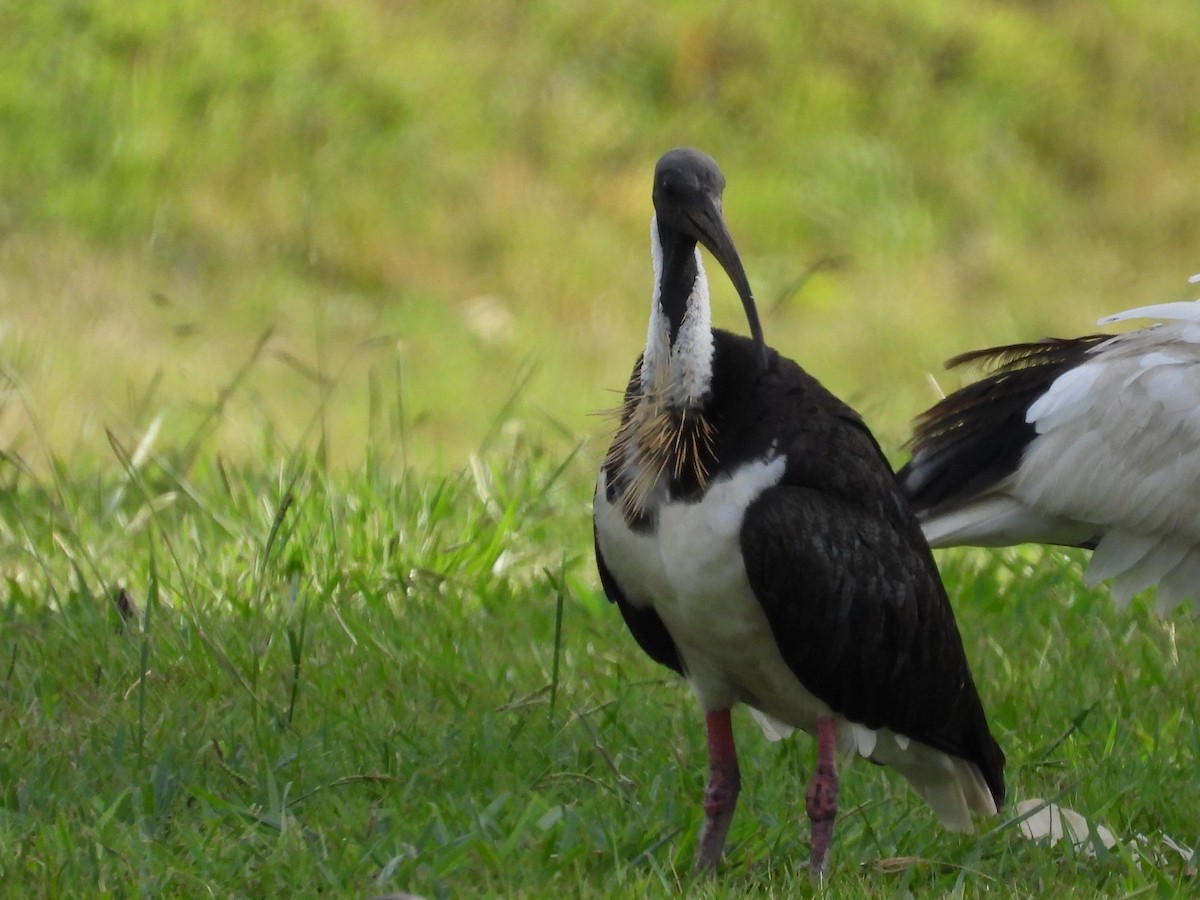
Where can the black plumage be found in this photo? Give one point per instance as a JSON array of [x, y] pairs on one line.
[[975, 436], [718, 428], [837, 560]]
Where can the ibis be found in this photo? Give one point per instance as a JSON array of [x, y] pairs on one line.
[[1089, 442], [752, 534]]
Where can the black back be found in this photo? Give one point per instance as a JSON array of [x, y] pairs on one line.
[[838, 562], [976, 436]]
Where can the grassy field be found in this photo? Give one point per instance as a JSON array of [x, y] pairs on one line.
[[305, 311], [269, 680]]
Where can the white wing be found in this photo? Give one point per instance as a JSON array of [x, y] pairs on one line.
[[1115, 461], [1118, 447]]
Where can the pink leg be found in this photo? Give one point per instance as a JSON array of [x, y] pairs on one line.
[[720, 797], [821, 799]]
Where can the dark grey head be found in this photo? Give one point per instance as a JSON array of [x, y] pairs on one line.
[[687, 203]]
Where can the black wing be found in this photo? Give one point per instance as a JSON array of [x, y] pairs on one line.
[[976, 436], [855, 601]]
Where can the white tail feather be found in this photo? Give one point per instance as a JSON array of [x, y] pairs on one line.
[[953, 787], [1146, 571], [772, 729], [997, 520], [1180, 584], [1116, 552]]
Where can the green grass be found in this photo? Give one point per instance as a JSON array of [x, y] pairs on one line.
[[346, 683], [304, 309]]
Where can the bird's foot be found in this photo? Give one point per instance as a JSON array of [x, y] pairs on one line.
[[720, 797], [821, 799]]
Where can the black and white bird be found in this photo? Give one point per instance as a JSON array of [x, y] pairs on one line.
[[751, 532], [1087, 442]]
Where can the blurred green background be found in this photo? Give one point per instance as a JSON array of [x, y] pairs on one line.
[[431, 209]]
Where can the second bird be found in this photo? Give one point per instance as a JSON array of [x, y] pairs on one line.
[[1087, 442], [750, 530]]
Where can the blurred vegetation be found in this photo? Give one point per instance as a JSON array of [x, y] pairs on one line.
[[436, 208]]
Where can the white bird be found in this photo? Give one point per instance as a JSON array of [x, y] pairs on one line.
[[1086, 442]]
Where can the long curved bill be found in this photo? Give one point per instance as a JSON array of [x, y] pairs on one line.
[[714, 235]]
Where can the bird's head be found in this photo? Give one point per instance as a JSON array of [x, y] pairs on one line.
[[687, 203]]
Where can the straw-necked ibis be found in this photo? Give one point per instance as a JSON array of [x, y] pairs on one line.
[[1087, 442], [752, 534]]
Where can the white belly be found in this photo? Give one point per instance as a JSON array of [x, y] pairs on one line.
[[689, 569]]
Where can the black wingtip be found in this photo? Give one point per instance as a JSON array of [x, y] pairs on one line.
[[977, 435]]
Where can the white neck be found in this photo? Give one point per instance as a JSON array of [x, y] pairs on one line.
[[678, 375]]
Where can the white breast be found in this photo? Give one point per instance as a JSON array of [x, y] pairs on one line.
[[690, 570]]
